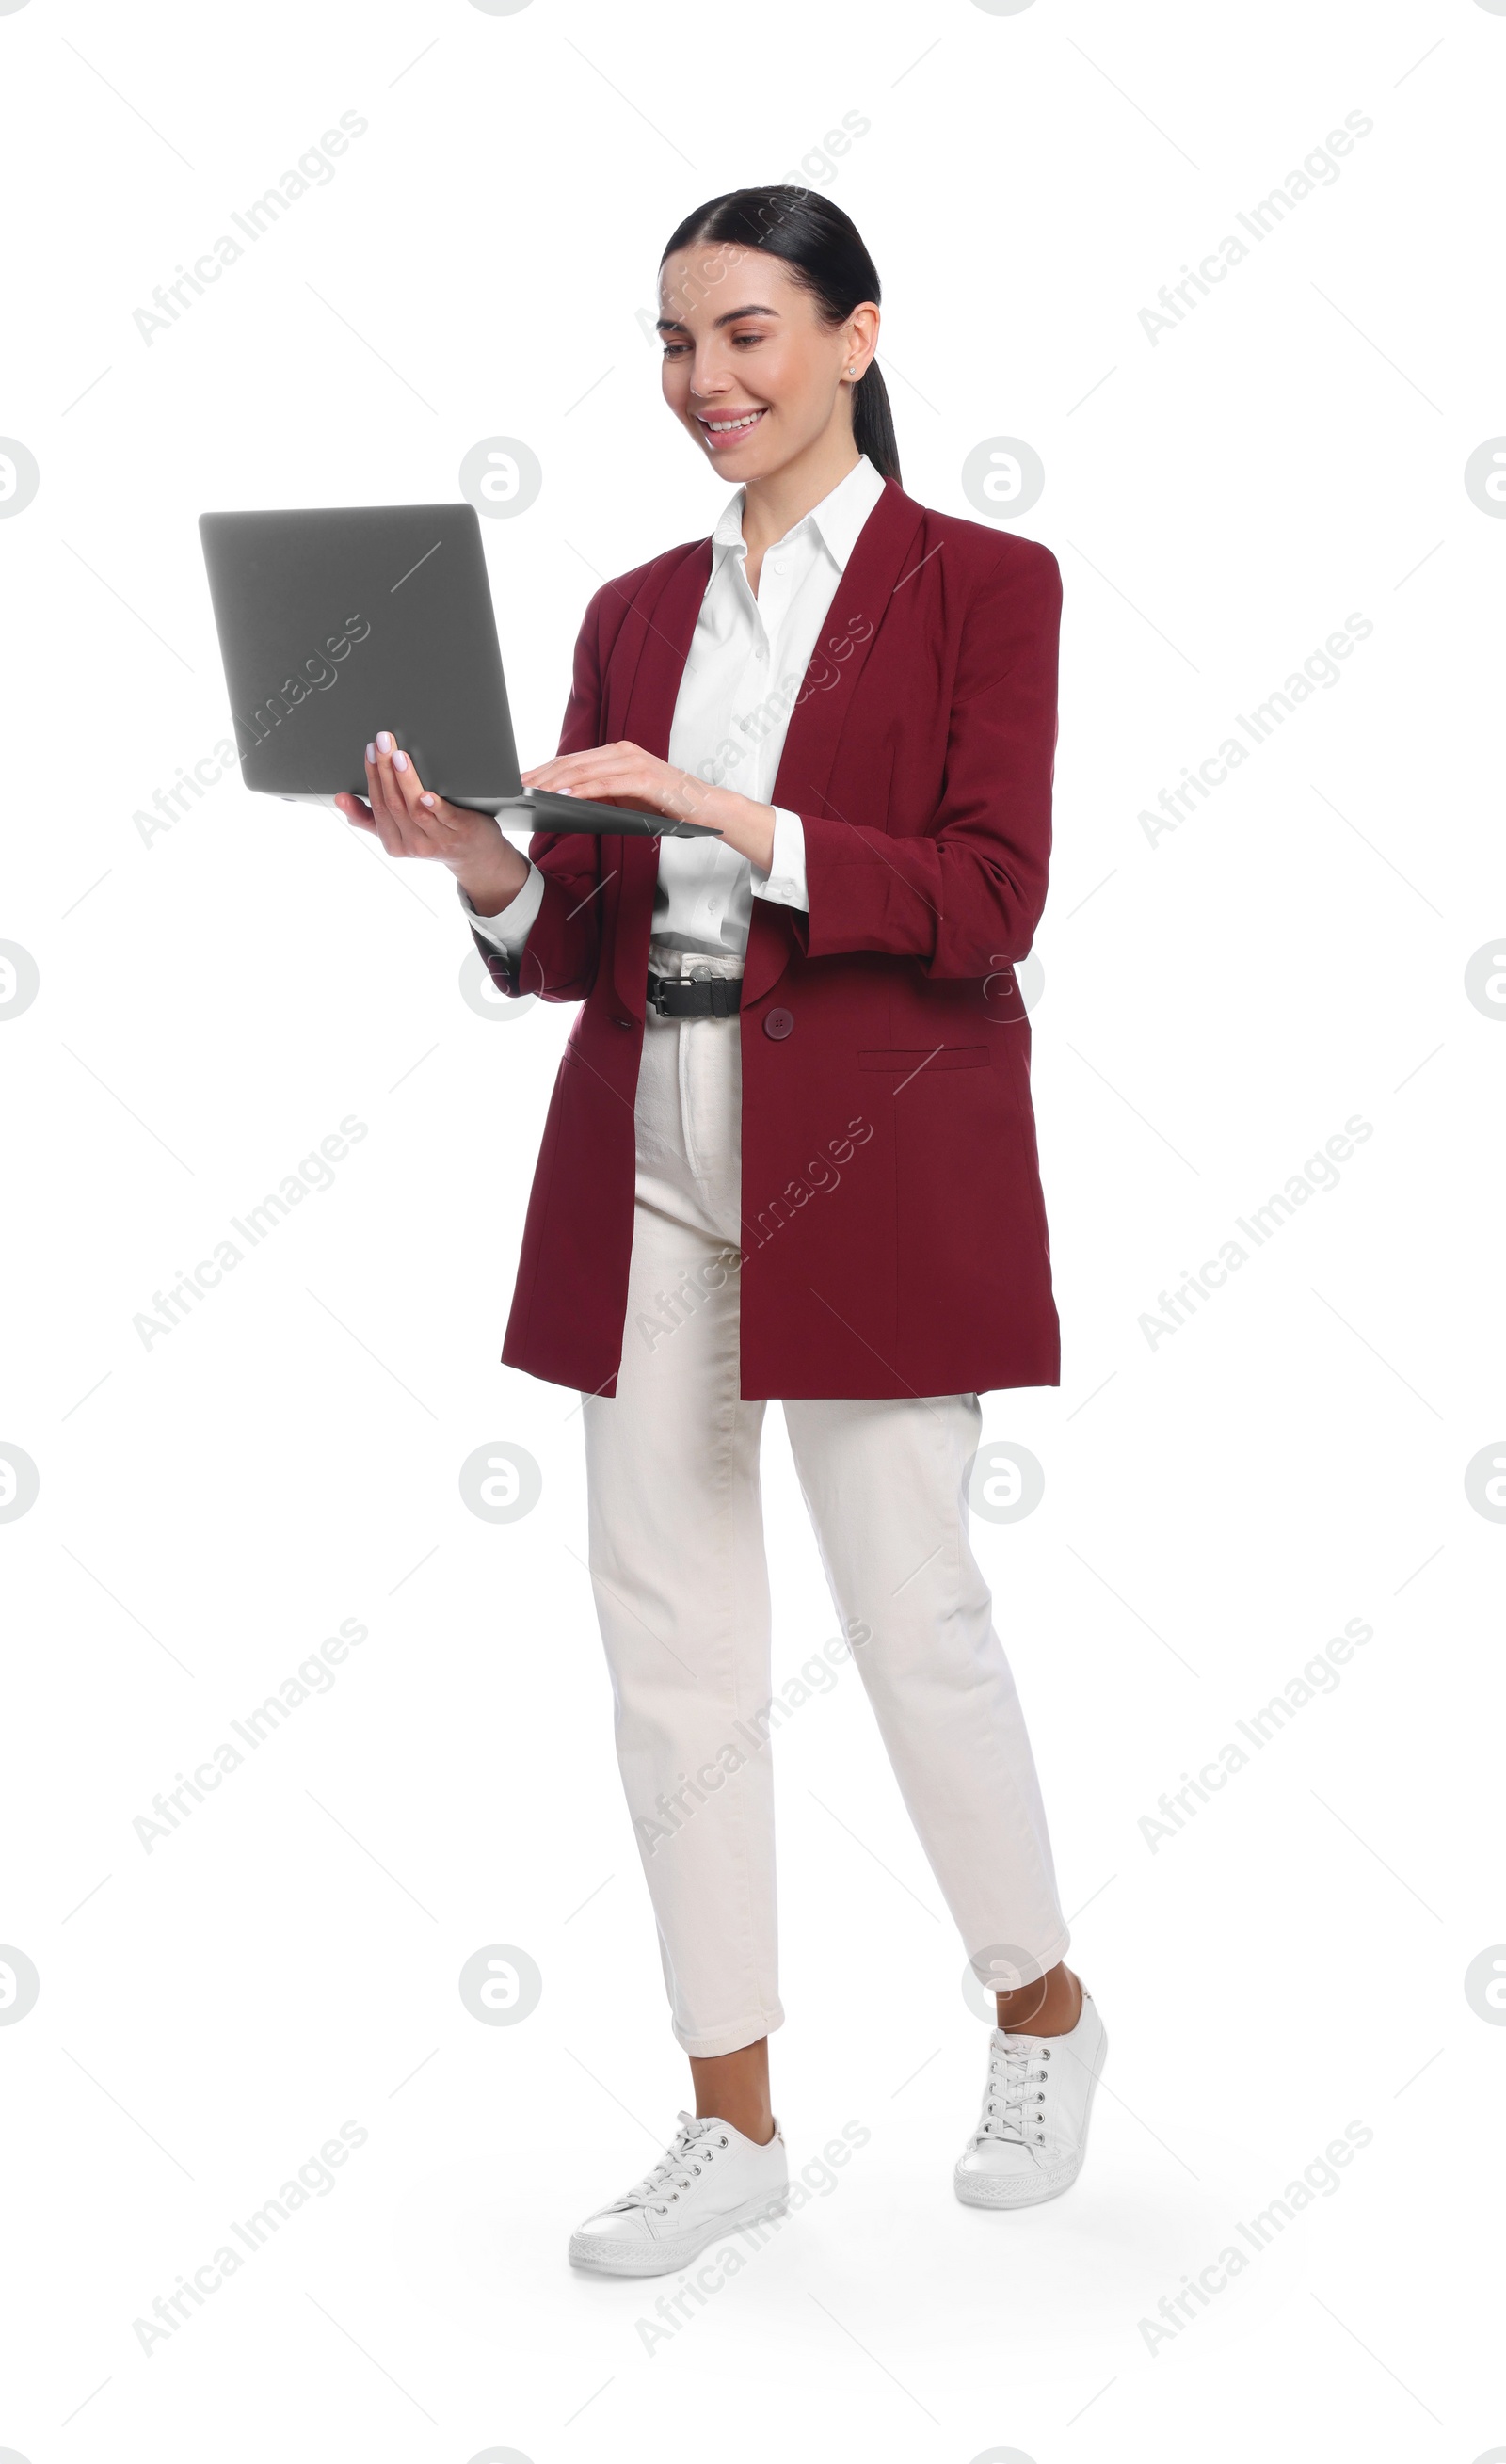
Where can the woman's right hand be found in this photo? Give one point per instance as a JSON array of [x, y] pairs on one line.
[[411, 821]]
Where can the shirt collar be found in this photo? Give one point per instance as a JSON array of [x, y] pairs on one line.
[[837, 520]]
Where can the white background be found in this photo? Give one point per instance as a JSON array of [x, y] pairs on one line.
[[1215, 1006]]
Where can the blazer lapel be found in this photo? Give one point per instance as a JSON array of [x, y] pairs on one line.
[[875, 576], [646, 661]]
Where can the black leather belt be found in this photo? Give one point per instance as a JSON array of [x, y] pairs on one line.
[[695, 996]]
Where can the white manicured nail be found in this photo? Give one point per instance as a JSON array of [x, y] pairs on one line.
[[400, 762], [383, 742], [370, 753]]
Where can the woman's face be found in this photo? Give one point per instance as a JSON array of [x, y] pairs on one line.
[[750, 369]]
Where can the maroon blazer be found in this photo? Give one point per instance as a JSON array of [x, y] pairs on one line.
[[895, 1238]]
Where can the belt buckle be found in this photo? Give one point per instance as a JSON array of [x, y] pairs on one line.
[[723, 1000]]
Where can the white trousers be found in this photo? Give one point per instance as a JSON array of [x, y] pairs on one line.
[[681, 1588]]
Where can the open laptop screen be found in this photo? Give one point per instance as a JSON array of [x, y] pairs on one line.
[[334, 623]]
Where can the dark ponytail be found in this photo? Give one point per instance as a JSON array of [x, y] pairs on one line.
[[821, 246]]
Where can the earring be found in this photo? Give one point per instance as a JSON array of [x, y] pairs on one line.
[[851, 372]]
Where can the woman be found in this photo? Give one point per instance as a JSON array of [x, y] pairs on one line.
[[790, 1154]]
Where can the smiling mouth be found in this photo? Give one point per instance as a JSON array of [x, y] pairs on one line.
[[722, 433]]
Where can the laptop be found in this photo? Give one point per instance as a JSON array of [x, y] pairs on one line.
[[335, 623]]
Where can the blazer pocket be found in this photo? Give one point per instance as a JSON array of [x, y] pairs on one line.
[[949, 1056]]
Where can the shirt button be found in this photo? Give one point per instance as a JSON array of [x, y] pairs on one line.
[[778, 1024]]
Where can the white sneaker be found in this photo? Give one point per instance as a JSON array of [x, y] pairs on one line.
[[1032, 2132], [710, 2181]]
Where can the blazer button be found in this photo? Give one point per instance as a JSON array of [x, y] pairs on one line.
[[778, 1024], [622, 1022]]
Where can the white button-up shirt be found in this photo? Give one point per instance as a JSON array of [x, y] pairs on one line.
[[747, 661]]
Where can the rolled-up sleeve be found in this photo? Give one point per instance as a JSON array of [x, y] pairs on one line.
[[784, 881], [509, 929], [547, 941]]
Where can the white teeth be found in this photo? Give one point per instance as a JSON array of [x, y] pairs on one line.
[[724, 427]]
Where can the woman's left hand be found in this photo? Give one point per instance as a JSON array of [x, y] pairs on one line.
[[624, 774]]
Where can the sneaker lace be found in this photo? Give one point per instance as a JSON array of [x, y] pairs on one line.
[[695, 2144], [1015, 2094]]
